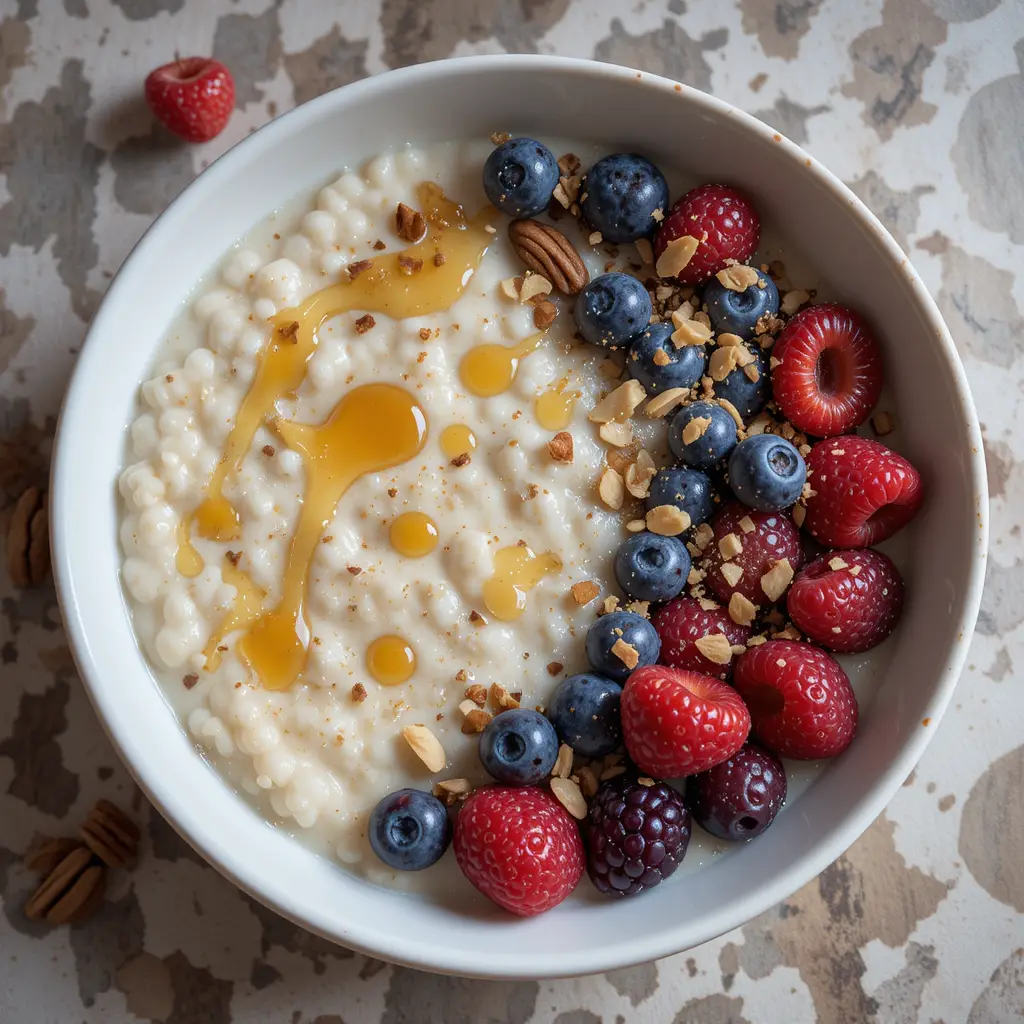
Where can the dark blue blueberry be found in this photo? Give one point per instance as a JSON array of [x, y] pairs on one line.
[[612, 310], [621, 193], [766, 472], [715, 442], [684, 368], [519, 747], [687, 489], [585, 713], [519, 177], [409, 830], [650, 567], [628, 627], [748, 396], [735, 312]]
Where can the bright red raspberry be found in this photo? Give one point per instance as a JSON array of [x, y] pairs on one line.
[[829, 371], [863, 492], [847, 601], [678, 723], [800, 700], [193, 97], [722, 219], [774, 537], [682, 622], [520, 847]]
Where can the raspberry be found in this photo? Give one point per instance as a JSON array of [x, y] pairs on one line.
[[863, 492], [829, 371], [637, 835], [192, 96], [847, 601], [682, 622], [519, 847], [722, 219], [773, 538], [801, 702], [677, 723]]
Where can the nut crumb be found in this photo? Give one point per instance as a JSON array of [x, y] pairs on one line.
[[667, 520], [365, 323], [409, 223], [477, 694], [854, 570], [380, 244], [476, 721], [424, 334], [645, 251], [544, 315], [532, 286], [452, 790], [392, 492], [354, 569], [587, 781], [354, 270], [626, 653], [268, 450], [476, 618], [731, 573], [646, 782], [703, 536], [662, 358], [439, 259], [560, 447], [737, 278], [659, 405], [595, 238], [290, 330], [617, 434], [500, 138], [636, 525], [715, 647], [190, 680], [461, 460], [359, 693], [409, 265], [554, 668], [676, 256], [610, 604], [799, 514], [793, 300], [501, 699], [584, 592], [741, 611], [619, 404], [696, 429], [747, 524], [775, 581], [730, 546]]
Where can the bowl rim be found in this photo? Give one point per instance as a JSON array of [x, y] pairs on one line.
[[364, 937]]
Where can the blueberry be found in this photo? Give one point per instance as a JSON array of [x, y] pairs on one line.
[[585, 713], [650, 567], [687, 489], [519, 747], [621, 193], [519, 177], [748, 396], [612, 309], [716, 440], [628, 627], [409, 830], [735, 312], [684, 368], [766, 472]]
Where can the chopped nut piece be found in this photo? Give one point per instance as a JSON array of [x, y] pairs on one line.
[[695, 576], [291, 329], [854, 570], [837, 563], [799, 514], [715, 647], [510, 288], [703, 536], [689, 332], [753, 374], [595, 238], [451, 790], [587, 782], [409, 223], [747, 524], [560, 447], [464, 459], [354, 570], [741, 611], [618, 405], [661, 358], [544, 315], [730, 546], [476, 618], [355, 269], [626, 653], [636, 525], [554, 668], [584, 592], [476, 721], [380, 244], [365, 323], [722, 362], [617, 434], [659, 405], [466, 706], [667, 520], [646, 781], [477, 694], [609, 605], [695, 429], [569, 164], [728, 340], [409, 265], [461, 676], [676, 256], [732, 411], [501, 698], [563, 763], [426, 746], [641, 608], [569, 796], [500, 138], [534, 285], [611, 489], [613, 772], [439, 259], [645, 251], [882, 424], [731, 573], [359, 693], [190, 680], [776, 579], [737, 278], [756, 641], [793, 300], [268, 450]]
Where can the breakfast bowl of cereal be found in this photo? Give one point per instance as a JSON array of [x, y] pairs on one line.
[[511, 543]]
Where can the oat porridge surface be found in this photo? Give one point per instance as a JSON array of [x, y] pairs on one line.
[[298, 647]]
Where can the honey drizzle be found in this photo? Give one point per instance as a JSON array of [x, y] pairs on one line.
[[372, 428], [488, 370], [244, 610], [187, 560], [516, 570], [553, 408]]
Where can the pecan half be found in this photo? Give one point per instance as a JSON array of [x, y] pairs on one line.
[[547, 251]]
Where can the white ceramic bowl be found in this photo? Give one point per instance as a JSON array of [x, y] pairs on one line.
[[623, 109]]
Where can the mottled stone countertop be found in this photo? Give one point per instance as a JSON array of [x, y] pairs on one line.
[[918, 105]]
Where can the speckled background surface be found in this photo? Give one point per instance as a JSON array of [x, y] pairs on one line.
[[918, 105]]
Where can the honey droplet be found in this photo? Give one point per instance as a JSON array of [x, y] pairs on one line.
[[517, 570], [413, 534], [372, 428], [390, 660], [457, 440], [488, 370], [217, 519], [243, 612], [187, 560], [553, 408]]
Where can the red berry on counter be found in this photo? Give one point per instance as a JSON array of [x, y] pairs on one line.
[[847, 601], [863, 492], [678, 723], [681, 623], [193, 97], [723, 221], [520, 847], [828, 370], [747, 545], [800, 699]]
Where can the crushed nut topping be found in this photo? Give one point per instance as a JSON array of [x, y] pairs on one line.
[[611, 489], [501, 699], [554, 668], [617, 434], [619, 404], [689, 332], [477, 694], [741, 611], [569, 796], [365, 323], [476, 721], [676, 256], [190, 680], [695, 429], [775, 581], [715, 647], [585, 591], [645, 251], [426, 746], [667, 520], [560, 447], [793, 300], [626, 653], [464, 459], [659, 405], [354, 270], [409, 223], [451, 790], [731, 573], [882, 424], [532, 286], [476, 618], [409, 265], [354, 570], [737, 278], [544, 315], [563, 763], [359, 693], [730, 546]]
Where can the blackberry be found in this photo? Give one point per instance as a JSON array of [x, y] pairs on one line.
[[636, 836]]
